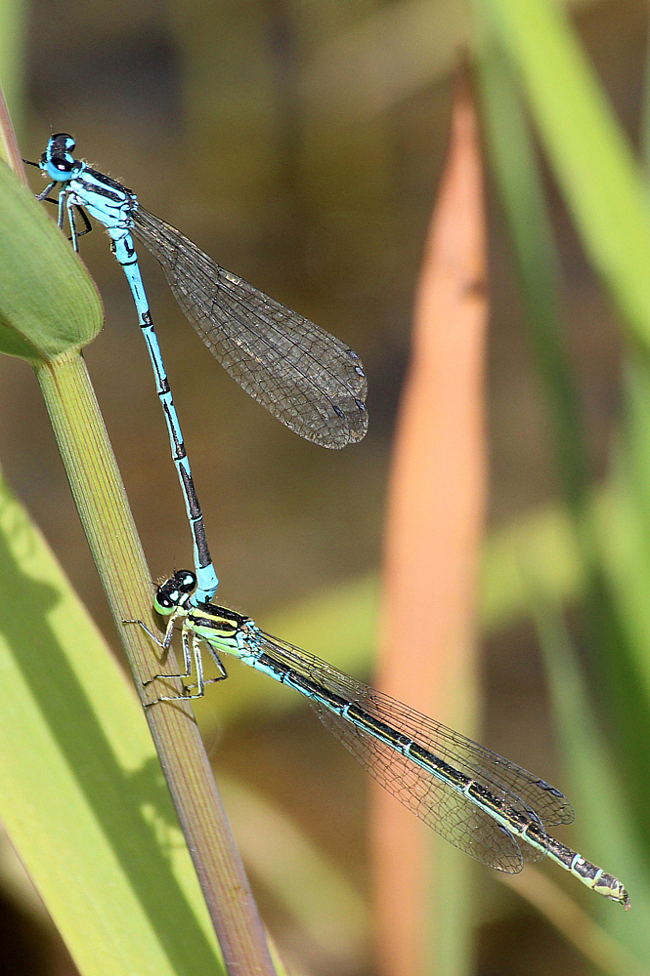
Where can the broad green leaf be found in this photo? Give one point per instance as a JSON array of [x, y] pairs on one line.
[[48, 303], [81, 791]]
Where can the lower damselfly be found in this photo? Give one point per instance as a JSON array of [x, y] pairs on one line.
[[480, 802], [306, 377]]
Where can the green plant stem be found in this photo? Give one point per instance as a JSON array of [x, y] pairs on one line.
[[107, 521]]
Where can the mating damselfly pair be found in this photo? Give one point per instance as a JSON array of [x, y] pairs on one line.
[[483, 804]]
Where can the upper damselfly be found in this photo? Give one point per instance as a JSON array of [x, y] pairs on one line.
[[310, 380]]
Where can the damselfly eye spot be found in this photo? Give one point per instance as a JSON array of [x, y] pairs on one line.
[[61, 164], [167, 597], [185, 580], [174, 592], [62, 141]]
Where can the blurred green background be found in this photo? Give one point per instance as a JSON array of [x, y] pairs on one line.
[[299, 144]]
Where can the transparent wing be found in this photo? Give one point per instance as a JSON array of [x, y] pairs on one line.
[[304, 376], [451, 814]]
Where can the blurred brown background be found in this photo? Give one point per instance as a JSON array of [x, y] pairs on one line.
[[299, 145]]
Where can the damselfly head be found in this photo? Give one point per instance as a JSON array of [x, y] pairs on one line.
[[175, 591], [57, 160], [61, 144]]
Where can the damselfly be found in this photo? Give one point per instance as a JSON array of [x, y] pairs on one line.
[[483, 804], [307, 378]]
